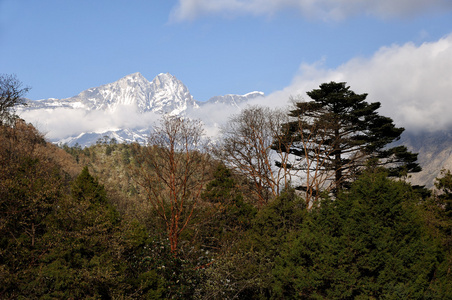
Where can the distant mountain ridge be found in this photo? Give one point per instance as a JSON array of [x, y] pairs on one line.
[[165, 94]]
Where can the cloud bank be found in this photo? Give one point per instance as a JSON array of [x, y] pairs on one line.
[[61, 123], [323, 9], [413, 83]]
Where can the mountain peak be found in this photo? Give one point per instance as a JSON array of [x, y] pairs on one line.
[[166, 77], [134, 77], [254, 94], [170, 95], [169, 84], [134, 74]]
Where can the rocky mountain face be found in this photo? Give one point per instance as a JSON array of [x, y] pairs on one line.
[[165, 94], [435, 154]]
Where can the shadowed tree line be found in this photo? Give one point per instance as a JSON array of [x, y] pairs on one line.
[[308, 203]]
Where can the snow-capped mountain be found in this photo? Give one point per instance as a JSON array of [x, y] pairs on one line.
[[165, 94]]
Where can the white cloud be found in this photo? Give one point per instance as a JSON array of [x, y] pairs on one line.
[[213, 116], [323, 9], [413, 83], [60, 123]]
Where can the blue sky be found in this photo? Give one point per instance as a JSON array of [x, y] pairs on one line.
[[216, 47]]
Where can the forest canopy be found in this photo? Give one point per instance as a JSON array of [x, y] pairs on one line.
[[180, 219]]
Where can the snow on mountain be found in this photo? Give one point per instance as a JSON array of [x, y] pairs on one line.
[[130, 90], [169, 95], [165, 94], [234, 100], [86, 139]]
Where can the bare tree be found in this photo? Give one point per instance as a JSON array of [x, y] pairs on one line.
[[173, 170], [313, 148], [251, 143], [11, 93]]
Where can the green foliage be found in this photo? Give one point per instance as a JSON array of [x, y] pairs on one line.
[[87, 188], [444, 184], [75, 151], [236, 275], [108, 150], [222, 188], [82, 256], [142, 278], [438, 217], [224, 214], [153, 272], [370, 242], [275, 223], [29, 197], [245, 272], [126, 156], [274, 227], [30, 186]]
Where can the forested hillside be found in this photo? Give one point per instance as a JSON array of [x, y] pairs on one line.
[[181, 218]]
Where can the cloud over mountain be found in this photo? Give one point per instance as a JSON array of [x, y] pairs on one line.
[[322, 9], [413, 82], [127, 109], [62, 122]]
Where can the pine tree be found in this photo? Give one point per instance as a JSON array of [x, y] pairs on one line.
[[86, 187], [338, 132]]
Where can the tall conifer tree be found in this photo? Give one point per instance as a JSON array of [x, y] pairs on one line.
[[340, 131]]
